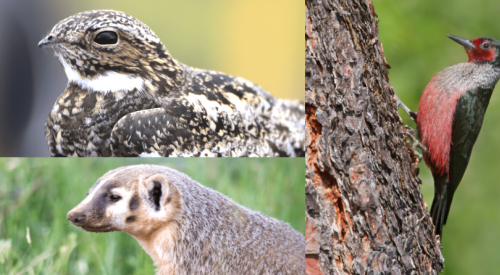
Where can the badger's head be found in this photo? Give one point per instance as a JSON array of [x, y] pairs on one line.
[[137, 200]]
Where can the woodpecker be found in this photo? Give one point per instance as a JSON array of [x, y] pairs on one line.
[[450, 115], [127, 96]]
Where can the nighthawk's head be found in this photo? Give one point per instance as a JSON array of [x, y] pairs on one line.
[[105, 50]]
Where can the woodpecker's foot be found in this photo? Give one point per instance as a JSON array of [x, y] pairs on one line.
[[413, 115], [409, 132]]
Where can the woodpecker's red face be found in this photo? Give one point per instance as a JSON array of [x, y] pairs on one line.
[[481, 49], [484, 50]]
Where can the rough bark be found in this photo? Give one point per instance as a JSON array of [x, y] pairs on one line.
[[364, 210]]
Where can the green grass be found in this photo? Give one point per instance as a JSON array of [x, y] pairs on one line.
[[37, 193]]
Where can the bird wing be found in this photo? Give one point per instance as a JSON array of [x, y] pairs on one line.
[[467, 122], [152, 132], [272, 127], [214, 115], [160, 132]]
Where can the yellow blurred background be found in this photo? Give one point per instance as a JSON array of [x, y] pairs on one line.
[[257, 40], [261, 41]]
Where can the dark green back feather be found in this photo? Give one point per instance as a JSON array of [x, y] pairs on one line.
[[467, 122]]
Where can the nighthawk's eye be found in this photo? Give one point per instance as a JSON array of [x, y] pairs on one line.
[[485, 45], [106, 38]]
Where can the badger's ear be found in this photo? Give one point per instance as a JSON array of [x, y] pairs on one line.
[[158, 191]]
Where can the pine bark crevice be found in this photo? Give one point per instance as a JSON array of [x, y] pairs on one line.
[[364, 210]]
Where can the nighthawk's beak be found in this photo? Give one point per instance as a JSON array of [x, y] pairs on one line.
[[49, 39], [468, 45]]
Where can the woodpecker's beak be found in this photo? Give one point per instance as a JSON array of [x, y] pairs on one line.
[[49, 39], [462, 41]]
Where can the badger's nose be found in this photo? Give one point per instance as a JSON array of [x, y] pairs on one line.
[[77, 218]]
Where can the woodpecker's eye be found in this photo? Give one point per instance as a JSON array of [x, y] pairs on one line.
[[106, 38], [114, 198], [485, 45]]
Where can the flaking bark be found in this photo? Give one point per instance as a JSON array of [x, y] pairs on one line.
[[364, 210]]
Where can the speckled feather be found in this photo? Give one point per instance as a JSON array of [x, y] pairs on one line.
[[133, 99]]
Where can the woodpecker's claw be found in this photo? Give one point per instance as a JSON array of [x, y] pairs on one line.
[[413, 115], [409, 132]]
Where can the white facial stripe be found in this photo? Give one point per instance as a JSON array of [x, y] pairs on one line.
[[111, 82], [91, 195]]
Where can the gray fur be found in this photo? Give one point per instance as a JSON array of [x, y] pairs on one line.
[[218, 236], [250, 245]]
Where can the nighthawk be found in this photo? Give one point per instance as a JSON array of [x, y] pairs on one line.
[[126, 96]]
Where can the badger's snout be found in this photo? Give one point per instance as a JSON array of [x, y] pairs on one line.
[[76, 218]]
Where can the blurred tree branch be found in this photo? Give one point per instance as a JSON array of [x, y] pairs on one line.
[[364, 209]]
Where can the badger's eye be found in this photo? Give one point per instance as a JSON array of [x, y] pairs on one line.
[[114, 198], [485, 45], [106, 38]]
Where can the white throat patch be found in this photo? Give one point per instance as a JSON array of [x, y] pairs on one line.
[[111, 82]]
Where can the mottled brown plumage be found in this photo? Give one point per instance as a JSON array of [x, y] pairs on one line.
[[126, 96]]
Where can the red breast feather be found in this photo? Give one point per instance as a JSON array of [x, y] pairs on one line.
[[434, 123]]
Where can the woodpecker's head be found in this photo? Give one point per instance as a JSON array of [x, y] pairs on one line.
[[481, 49], [105, 47]]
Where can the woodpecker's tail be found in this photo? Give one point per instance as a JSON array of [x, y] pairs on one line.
[[441, 203]]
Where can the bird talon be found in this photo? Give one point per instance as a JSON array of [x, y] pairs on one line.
[[413, 115], [408, 133], [422, 147]]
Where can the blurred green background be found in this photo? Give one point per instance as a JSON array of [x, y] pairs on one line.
[[259, 40], [413, 34], [37, 193]]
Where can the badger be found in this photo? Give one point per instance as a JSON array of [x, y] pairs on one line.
[[186, 227]]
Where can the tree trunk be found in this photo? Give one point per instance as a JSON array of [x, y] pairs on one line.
[[364, 209]]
